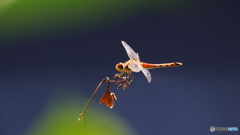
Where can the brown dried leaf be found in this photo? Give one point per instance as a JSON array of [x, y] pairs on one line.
[[108, 98]]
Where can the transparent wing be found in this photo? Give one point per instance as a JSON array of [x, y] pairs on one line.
[[146, 73], [130, 52], [135, 66]]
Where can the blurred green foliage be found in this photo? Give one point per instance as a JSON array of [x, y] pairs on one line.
[[60, 118], [31, 19]]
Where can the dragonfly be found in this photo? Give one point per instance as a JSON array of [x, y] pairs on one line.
[[135, 65]]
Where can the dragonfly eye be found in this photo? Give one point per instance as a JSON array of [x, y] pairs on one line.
[[119, 67]]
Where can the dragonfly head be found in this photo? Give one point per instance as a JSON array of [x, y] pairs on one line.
[[119, 67]]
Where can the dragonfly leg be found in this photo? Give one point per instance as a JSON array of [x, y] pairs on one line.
[[123, 79], [116, 78], [128, 80], [131, 78]]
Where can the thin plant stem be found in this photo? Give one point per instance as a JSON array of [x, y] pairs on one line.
[[118, 78], [124, 83], [106, 79]]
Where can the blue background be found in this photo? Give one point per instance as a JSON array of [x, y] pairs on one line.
[[41, 58]]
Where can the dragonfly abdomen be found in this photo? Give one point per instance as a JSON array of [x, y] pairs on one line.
[[151, 66]]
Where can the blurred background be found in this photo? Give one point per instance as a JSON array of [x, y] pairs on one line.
[[53, 54]]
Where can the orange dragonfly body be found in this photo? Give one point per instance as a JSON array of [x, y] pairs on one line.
[[135, 65]]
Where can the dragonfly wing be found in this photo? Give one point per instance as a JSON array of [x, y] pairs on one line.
[[130, 52], [146, 73], [135, 66]]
